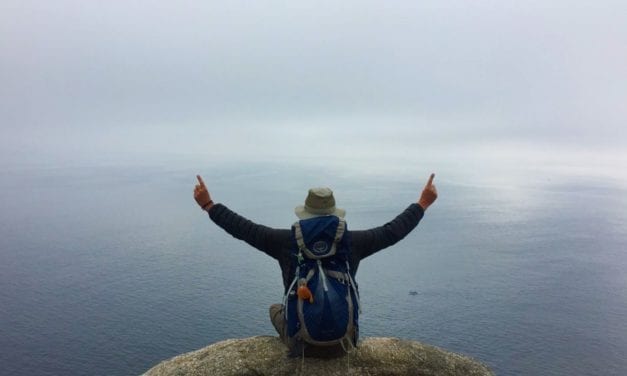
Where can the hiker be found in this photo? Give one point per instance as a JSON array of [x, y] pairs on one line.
[[319, 258]]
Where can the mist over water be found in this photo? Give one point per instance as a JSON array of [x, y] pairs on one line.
[[108, 110], [110, 268]]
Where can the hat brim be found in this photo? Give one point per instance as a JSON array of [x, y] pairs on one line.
[[302, 213]]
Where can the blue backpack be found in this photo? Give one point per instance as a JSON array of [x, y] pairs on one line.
[[325, 311]]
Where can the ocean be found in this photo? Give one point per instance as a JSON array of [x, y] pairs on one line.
[[110, 269]]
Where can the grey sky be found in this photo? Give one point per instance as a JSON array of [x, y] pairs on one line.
[[275, 77]]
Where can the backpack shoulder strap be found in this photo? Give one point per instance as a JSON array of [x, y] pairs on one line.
[[298, 234], [341, 228]]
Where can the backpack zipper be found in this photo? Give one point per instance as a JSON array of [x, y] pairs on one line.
[[323, 276]]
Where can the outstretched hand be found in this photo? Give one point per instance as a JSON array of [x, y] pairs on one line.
[[429, 194], [201, 195]]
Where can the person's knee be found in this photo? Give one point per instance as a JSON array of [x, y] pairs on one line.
[[278, 320], [275, 309]]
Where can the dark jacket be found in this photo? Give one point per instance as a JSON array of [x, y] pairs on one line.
[[277, 243]]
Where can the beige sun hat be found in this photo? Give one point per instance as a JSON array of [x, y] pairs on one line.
[[319, 202]]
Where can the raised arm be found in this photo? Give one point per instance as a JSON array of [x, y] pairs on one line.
[[264, 238], [367, 242]]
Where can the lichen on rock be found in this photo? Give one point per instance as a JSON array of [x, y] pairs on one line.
[[265, 355]]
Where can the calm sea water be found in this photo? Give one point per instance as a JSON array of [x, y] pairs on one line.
[[109, 270]]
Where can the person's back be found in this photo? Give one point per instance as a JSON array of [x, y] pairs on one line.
[[321, 253]]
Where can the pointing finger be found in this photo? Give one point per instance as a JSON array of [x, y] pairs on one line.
[[430, 182], [202, 183]]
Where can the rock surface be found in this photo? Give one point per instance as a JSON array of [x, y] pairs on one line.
[[265, 355]]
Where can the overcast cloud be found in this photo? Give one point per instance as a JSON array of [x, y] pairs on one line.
[[272, 79]]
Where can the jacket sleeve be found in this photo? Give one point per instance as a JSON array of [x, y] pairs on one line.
[[263, 238], [368, 242]]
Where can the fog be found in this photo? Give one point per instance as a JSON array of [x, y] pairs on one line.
[[373, 85], [108, 110]]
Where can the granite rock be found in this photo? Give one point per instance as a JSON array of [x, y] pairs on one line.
[[265, 355]]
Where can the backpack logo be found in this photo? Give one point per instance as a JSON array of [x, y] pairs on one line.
[[320, 247]]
